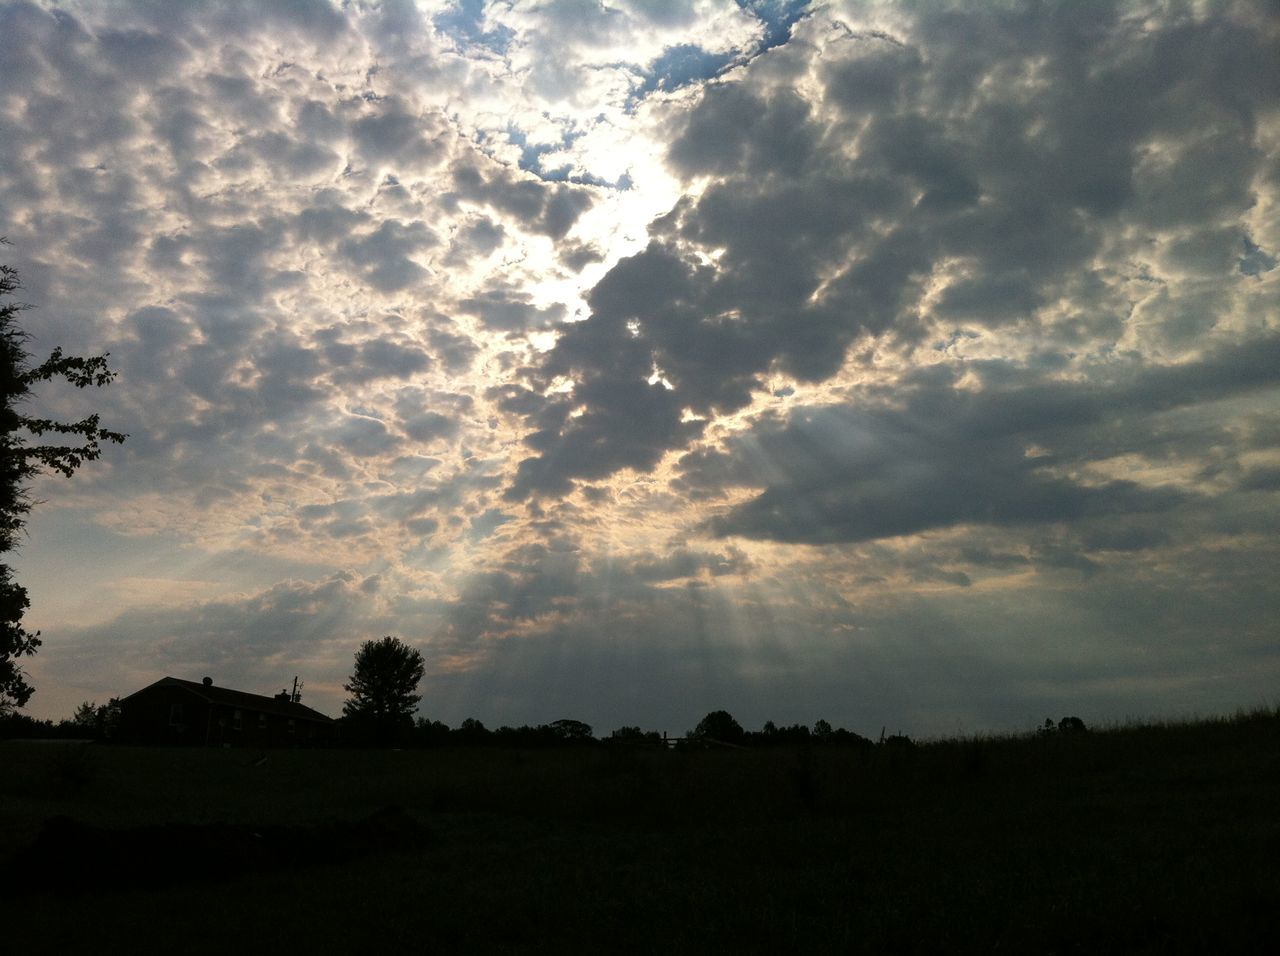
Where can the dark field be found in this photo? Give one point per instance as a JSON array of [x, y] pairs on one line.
[[1145, 839]]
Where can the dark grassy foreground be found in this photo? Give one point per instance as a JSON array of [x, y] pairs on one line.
[[1146, 839]]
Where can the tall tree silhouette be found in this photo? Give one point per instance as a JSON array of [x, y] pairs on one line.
[[383, 689], [21, 459], [719, 725]]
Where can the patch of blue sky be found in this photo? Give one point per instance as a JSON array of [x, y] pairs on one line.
[[778, 17], [1254, 262], [463, 22], [684, 64], [681, 65], [531, 160], [530, 153]]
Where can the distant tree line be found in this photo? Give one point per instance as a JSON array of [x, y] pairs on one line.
[[716, 729], [1067, 725], [384, 698], [91, 721]]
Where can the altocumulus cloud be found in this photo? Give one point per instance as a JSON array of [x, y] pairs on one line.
[[995, 173], [909, 364]]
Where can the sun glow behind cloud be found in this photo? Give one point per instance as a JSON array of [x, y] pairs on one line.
[[623, 363]]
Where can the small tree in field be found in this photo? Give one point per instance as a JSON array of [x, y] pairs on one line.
[[719, 726], [383, 689]]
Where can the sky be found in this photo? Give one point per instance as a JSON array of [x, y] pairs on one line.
[[910, 365]]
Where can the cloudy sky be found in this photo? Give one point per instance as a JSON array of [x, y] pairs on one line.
[[902, 364]]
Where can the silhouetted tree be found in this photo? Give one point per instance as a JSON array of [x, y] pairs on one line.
[[20, 461], [430, 733], [719, 725], [634, 735], [97, 720], [572, 730], [472, 731], [847, 738], [15, 725], [383, 689], [85, 716], [773, 735]]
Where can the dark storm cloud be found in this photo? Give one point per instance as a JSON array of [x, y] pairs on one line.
[[477, 239], [375, 359], [384, 255], [578, 256], [685, 563], [455, 350], [970, 173], [395, 135], [236, 259], [1261, 479], [506, 310], [426, 426], [326, 219], [550, 209], [931, 453], [426, 415], [292, 157]]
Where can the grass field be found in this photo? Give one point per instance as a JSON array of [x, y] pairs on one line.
[[1139, 839]]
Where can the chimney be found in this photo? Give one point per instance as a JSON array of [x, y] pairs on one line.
[[208, 682], [283, 695]]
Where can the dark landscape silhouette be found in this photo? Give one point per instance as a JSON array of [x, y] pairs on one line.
[[143, 856], [548, 838]]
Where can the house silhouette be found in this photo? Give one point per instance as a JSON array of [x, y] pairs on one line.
[[176, 711]]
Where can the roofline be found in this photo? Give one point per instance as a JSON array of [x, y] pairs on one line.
[[191, 687], [171, 682]]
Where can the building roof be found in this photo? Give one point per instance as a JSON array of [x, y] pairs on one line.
[[239, 699]]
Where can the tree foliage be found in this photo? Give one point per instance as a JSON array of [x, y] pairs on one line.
[[383, 689], [21, 459], [719, 726], [568, 729], [99, 721], [636, 735]]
